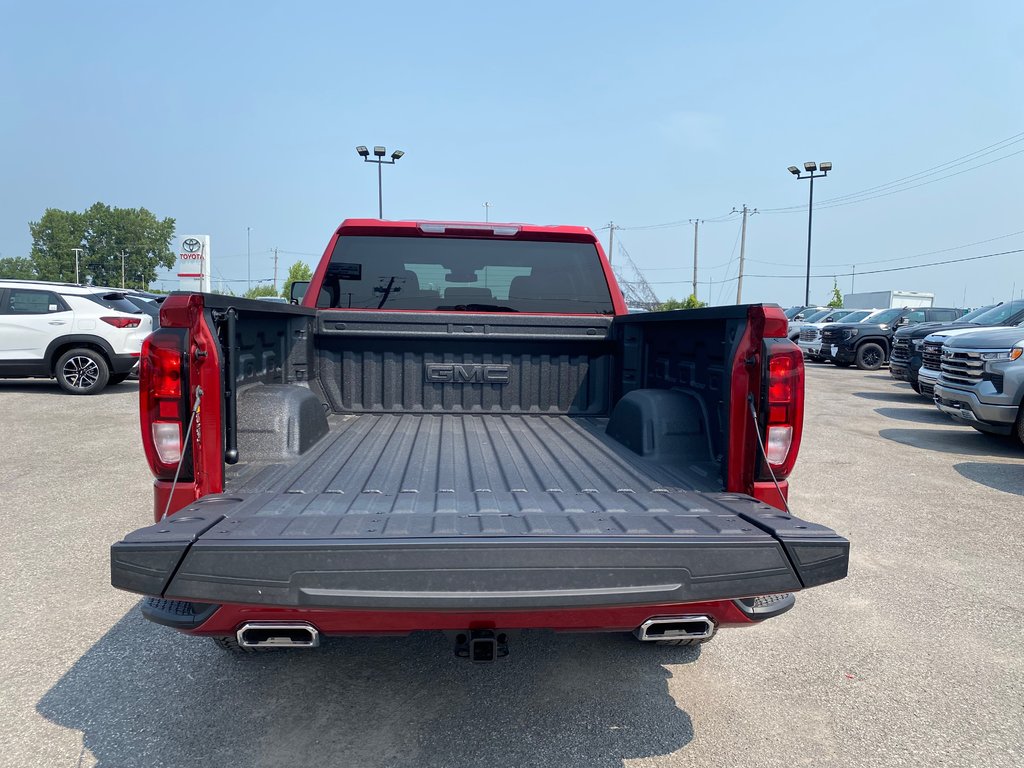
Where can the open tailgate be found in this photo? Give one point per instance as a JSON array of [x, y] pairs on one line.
[[313, 551]]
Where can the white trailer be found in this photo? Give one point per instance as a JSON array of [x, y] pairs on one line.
[[888, 299]]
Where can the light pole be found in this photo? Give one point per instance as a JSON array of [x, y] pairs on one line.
[[810, 169], [378, 158]]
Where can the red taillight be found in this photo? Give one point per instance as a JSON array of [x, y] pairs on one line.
[[781, 379], [784, 406], [122, 322], [164, 370], [164, 408]]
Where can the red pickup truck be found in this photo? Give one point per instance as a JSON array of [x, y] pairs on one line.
[[460, 428]]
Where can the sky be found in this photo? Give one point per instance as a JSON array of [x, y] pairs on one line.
[[228, 116]]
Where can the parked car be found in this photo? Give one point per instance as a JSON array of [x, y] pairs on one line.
[[502, 454], [798, 313], [809, 339], [1003, 314], [82, 336], [148, 303], [981, 382], [868, 344], [807, 315], [908, 342]]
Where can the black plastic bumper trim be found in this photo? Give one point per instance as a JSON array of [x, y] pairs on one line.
[[767, 607], [179, 614]]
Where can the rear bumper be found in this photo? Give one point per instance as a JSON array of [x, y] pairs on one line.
[[213, 552], [965, 407], [223, 620], [123, 363]]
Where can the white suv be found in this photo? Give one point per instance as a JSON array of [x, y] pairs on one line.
[[84, 337]]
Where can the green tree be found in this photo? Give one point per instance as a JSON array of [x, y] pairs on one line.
[[837, 296], [690, 302], [260, 290], [17, 268], [103, 233], [298, 271]]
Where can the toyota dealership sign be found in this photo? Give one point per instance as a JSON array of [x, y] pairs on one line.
[[194, 263]]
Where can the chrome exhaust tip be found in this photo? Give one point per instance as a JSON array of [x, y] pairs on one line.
[[676, 628], [271, 634]]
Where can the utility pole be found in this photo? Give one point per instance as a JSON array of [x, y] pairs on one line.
[[743, 247], [487, 212], [611, 239], [275, 270], [853, 277], [78, 252], [695, 223], [124, 253], [248, 256]]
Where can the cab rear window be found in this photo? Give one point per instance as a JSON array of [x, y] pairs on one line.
[[465, 274]]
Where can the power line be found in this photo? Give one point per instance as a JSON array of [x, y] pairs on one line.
[[902, 184], [868, 272], [863, 196], [859, 263], [962, 160], [680, 222]]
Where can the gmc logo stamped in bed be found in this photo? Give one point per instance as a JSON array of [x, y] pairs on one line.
[[467, 373]]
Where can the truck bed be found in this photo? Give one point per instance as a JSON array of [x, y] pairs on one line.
[[400, 464], [496, 512]]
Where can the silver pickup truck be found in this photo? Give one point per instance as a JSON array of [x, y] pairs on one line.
[[982, 380]]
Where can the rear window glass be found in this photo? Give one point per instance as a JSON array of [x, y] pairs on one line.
[[465, 274], [116, 301]]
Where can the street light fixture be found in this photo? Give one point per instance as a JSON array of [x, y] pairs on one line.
[[810, 174], [378, 158]]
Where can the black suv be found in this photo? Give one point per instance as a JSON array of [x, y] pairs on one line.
[[908, 343], [868, 344]]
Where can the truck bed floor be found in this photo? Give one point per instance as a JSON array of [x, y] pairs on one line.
[[409, 463]]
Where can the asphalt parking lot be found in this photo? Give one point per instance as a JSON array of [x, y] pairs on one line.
[[915, 659]]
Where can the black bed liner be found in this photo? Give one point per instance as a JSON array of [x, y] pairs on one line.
[[425, 463], [455, 512]]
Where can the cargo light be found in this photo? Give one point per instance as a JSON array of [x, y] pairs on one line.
[[443, 228], [122, 322]]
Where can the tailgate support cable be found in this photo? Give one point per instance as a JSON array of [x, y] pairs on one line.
[[184, 447], [764, 453]]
